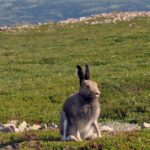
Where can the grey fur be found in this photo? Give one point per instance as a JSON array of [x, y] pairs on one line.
[[81, 110]]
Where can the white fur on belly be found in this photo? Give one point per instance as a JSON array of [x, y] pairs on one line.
[[85, 130]]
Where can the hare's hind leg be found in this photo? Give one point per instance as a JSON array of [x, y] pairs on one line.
[[64, 130], [64, 124], [68, 132], [73, 133]]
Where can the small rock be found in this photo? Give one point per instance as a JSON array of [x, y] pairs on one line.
[[23, 126], [4, 129], [55, 126], [118, 127], [52, 125], [15, 145], [146, 125], [106, 128], [8, 147], [82, 18], [14, 122], [35, 127], [8, 125], [43, 126], [49, 125], [1, 124], [10, 128], [17, 130]]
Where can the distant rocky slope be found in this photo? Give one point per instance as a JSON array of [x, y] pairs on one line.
[[103, 18], [34, 11], [109, 17]]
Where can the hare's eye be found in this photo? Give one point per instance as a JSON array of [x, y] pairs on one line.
[[87, 86]]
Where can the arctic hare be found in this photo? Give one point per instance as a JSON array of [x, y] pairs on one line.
[[81, 110]]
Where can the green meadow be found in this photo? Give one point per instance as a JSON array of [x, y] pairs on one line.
[[38, 72]]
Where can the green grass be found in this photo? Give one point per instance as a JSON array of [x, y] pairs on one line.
[[37, 70], [50, 140]]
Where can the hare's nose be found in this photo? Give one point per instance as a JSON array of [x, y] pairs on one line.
[[97, 93]]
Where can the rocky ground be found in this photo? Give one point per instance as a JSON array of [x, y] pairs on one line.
[[24, 127], [15, 126]]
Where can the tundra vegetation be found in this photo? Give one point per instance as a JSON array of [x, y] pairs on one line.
[[38, 72]]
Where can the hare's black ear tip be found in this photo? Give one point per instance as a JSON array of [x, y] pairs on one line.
[[78, 66], [86, 65]]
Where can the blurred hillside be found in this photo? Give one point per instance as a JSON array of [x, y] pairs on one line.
[[35, 11]]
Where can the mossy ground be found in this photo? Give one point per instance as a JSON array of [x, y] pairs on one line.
[[37, 72], [138, 140]]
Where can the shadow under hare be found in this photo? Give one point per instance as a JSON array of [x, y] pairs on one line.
[[80, 112]]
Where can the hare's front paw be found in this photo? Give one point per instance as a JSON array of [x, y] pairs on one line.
[[71, 138], [79, 139], [99, 135]]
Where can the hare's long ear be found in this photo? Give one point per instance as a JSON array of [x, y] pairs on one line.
[[80, 73], [87, 72]]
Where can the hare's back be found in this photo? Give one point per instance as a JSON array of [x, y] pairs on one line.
[[71, 105]]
